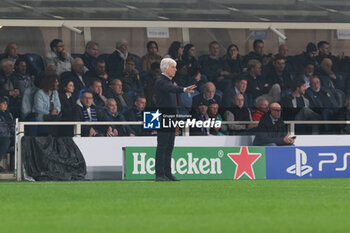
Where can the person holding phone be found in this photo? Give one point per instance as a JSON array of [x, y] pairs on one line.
[[271, 130]]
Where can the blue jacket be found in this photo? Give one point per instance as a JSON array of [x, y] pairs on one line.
[[42, 103]]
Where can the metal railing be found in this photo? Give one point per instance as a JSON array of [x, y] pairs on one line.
[[77, 132]]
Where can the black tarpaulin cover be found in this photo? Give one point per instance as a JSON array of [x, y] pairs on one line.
[[50, 158]]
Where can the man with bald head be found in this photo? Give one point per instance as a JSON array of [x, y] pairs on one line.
[[208, 94], [271, 130], [330, 79]]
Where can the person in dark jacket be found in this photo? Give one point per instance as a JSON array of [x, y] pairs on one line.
[[112, 114], [6, 129], [272, 130], [166, 101], [86, 111]]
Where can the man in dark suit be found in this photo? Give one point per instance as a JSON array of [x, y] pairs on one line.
[[272, 130], [166, 101], [208, 94]]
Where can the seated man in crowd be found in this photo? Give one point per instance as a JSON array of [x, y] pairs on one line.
[[115, 63], [11, 52], [112, 114], [272, 130], [262, 107], [90, 55], [202, 115], [131, 79], [77, 75], [60, 58], [99, 72], [9, 87], [149, 80], [238, 113], [328, 78], [136, 114], [96, 89], [309, 56], [86, 111], [116, 92], [324, 52], [213, 113], [239, 88], [307, 74], [276, 73], [257, 53], [23, 78], [208, 94], [217, 70]]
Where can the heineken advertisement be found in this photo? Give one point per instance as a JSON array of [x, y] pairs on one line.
[[199, 163]]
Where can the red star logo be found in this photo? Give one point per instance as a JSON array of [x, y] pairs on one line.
[[244, 162]]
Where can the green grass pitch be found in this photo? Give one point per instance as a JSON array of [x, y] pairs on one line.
[[314, 205]]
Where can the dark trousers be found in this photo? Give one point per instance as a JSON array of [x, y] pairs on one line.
[[165, 145]]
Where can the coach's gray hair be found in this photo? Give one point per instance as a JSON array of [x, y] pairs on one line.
[[165, 63]]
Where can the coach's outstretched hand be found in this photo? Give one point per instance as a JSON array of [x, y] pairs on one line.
[[190, 89]]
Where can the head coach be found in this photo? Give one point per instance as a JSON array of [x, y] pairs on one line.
[[166, 101]]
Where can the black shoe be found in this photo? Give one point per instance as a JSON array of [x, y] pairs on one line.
[[162, 178], [172, 178]]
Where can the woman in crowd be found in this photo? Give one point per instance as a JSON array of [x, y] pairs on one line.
[[189, 57], [176, 50], [233, 59], [151, 56], [68, 100]]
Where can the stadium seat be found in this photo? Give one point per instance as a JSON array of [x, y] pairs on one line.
[[36, 62]]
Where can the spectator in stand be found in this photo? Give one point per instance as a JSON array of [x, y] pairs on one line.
[[11, 52], [309, 69], [262, 106], [183, 78], [296, 106], [310, 56], [115, 63], [208, 94], [90, 55], [59, 57], [46, 100], [272, 130], [324, 52], [233, 60], [151, 56], [68, 100], [77, 75], [96, 89], [189, 57], [86, 111], [240, 88], [7, 129], [131, 79], [99, 72], [276, 73], [213, 113], [201, 114], [136, 114], [257, 54], [328, 78], [283, 52], [238, 113], [9, 87], [116, 92], [216, 70], [322, 100], [256, 83], [176, 50], [149, 83], [23, 79], [112, 114]]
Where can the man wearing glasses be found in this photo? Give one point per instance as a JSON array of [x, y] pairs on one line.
[[272, 130]]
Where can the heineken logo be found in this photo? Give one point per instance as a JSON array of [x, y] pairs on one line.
[[199, 162], [187, 165], [244, 162]]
